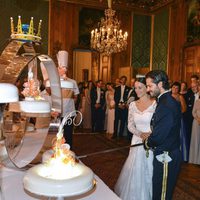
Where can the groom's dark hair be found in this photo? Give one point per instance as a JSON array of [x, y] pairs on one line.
[[159, 76]]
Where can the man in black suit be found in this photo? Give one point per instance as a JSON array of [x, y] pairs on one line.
[[121, 110], [132, 96], [190, 97], [165, 136], [97, 96]]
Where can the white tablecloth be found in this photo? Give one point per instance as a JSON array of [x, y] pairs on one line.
[[12, 187]]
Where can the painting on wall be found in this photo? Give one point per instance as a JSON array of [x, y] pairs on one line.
[[193, 21], [95, 66], [85, 74], [88, 20]]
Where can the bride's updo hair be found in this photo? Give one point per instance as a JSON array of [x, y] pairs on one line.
[[141, 78]]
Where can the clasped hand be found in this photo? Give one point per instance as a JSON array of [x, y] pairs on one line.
[[145, 135]]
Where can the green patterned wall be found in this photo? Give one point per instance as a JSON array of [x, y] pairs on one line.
[[141, 41], [39, 9], [160, 44]]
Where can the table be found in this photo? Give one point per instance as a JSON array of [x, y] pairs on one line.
[[11, 181]]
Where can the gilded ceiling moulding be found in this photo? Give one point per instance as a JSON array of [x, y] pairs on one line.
[[136, 5]]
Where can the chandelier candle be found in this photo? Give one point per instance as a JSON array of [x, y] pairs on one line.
[[108, 38]]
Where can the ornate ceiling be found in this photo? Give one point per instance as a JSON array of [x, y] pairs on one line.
[[143, 4], [137, 5]]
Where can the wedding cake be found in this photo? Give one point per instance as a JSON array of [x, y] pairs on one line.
[[39, 106], [59, 175], [9, 93], [75, 180]]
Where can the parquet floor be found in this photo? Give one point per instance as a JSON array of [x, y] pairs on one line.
[[107, 166]]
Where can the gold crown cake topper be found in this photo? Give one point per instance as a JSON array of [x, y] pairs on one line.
[[25, 32]]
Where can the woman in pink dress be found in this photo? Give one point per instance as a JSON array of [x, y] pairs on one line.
[[110, 109], [86, 105], [194, 156]]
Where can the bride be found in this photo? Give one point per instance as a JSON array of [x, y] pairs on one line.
[[135, 180]]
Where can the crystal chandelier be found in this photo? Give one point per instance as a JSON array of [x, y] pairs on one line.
[[108, 37]]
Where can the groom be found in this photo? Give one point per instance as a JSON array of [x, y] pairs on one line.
[[164, 139]]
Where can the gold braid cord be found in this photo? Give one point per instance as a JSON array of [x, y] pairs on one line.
[[164, 182]]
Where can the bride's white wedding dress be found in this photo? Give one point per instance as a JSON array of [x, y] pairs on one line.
[[135, 180]]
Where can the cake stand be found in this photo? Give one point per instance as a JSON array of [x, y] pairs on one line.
[[9, 93], [23, 144]]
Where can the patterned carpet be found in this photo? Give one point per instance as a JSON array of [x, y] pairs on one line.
[[108, 165]]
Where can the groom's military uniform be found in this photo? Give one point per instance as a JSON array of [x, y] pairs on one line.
[[165, 142]]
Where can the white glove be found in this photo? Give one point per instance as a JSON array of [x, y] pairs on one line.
[[164, 157]]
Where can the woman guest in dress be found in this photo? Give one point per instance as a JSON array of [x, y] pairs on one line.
[[184, 89], [110, 109], [135, 180], [79, 97], [86, 106], [175, 89], [195, 139]]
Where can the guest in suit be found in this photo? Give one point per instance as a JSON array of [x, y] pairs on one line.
[[117, 82], [195, 136], [121, 110], [190, 98], [165, 137], [132, 96], [97, 96]]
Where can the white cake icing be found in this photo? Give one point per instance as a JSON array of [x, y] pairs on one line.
[[35, 106], [38, 180], [9, 93], [66, 84]]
